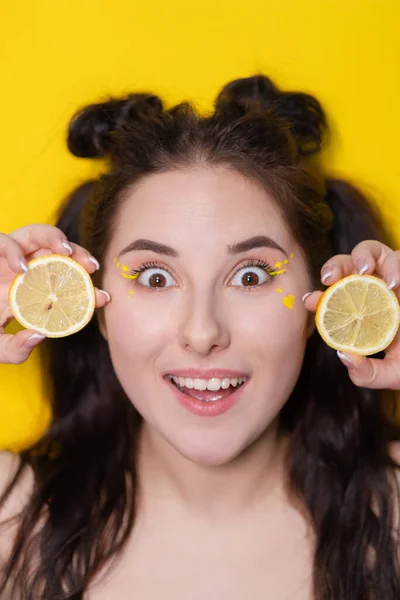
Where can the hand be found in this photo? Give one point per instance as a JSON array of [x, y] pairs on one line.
[[369, 257], [16, 249]]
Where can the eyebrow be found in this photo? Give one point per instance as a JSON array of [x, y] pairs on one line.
[[258, 241]]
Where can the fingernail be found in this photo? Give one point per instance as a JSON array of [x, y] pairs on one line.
[[106, 294], [325, 276], [95, 262], [67, 247], [345, 357], [34, 339], [305, 296], [24, 266], [362, 266], [392, 284]]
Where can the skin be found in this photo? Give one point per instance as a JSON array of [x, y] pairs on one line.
[[215, 519], [219, 480], [204, 319]]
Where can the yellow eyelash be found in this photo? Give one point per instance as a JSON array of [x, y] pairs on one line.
[[277, 272], [124, 270]]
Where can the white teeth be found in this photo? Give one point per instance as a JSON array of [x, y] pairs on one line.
[[200, 384], [214, 384]]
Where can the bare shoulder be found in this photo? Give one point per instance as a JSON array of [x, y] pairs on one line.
[[16, 500]]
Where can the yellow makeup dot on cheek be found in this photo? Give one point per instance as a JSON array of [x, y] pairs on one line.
[[279, 290], [278, 265], [291, 256], [285, 262], [131, 292], [288, 301], [125, 268]]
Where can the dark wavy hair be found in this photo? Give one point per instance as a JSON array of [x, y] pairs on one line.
[[340, 467]]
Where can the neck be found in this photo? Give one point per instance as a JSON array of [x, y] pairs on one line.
[[251, 479]]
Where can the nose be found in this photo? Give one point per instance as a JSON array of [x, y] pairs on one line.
[[203, 329]]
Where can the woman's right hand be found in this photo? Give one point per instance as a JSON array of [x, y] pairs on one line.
[[16, 249]]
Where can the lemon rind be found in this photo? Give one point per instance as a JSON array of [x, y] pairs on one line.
[[347, 348], [88, 285]]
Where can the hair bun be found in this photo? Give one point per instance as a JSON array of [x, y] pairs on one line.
[[92, 129], [301, 111]]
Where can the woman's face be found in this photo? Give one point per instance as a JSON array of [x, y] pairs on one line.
[[205, 308]]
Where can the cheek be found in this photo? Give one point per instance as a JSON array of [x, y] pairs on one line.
[[274, 323], [134, 328]]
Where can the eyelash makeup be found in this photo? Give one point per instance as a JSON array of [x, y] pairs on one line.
[[288, 301], [134, 273]]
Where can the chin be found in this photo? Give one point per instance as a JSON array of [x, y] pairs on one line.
[[207, 453]]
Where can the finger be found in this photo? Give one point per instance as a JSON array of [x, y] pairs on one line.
[[89, 262], [16, 349], [311, 300], [369, 256], [13, 253], [337, 267], [390, 270], [36, 237], [102, 298], [371, 372]]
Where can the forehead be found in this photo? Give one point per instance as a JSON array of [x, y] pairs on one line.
[[197, 206]]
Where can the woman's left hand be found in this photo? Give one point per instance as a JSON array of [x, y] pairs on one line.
[[370, 257]]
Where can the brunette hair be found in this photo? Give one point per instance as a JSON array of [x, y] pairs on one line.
[[340, 467]]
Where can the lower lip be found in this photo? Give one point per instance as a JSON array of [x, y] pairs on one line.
[[206, 409]]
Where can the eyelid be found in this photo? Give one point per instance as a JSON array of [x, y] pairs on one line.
[[255, 262], [150, 265]]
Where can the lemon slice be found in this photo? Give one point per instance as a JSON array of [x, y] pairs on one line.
[[358, 314], [55, 297]]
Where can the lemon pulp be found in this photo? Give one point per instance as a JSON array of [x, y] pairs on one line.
[[55, 297], [358, 313]]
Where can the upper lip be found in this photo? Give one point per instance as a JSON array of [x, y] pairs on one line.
[[206, 373]]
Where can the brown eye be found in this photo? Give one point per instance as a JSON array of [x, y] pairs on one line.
[[157, 280], [155, 277], [250, 277]]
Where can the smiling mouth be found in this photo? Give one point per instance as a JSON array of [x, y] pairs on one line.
[[207, 390]]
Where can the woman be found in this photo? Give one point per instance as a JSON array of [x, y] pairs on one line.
[[203, 433]]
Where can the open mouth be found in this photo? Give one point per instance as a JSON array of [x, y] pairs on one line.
[[207, 390]]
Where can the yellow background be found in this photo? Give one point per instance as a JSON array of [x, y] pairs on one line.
[[56, 55]]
